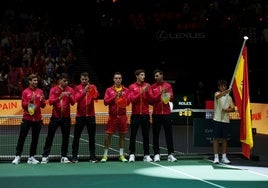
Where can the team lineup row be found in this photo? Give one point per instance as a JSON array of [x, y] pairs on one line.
[[117, 97], [140, 94]]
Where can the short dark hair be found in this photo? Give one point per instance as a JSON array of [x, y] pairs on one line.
[[85, 74], [158, 70], [138, 71], [63, 76], [222, 83], [32, 76], [117, 73]]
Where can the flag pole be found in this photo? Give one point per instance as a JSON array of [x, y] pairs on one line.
[[240, 54]]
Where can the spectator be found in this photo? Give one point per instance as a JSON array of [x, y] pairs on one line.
[[13, 82]]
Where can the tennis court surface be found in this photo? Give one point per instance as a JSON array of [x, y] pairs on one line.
[[183, 173], [194, 167]]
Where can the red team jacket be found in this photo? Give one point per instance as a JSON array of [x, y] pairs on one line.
[[27, 95], [159, 107], [139, 100], [109, 99], [85, 102], [61, 108]]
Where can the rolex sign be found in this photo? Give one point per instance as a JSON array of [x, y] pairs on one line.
[[185, 102]]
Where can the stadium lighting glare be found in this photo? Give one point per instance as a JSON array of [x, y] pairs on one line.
[[191, 172]]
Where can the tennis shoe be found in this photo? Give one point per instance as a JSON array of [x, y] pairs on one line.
[[16, 160], [44, 160], [147, 158], [225, 160], [64, 160], [93, 159], [122, 158], [104, 159], [216, 160], [157, 158], [171, 158], [32, 160], [74, 161], [131, 158]]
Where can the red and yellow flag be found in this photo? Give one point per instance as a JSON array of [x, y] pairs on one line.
[[240, 89]]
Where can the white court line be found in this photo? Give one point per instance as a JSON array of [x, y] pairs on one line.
[[101, 145], [116, 150], [85, 140], [257, 173], [185, 174], [244, 168]]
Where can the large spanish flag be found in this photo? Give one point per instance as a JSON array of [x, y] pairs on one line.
[[240, 87]]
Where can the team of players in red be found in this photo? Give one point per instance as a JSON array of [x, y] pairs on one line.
[[139, 94]]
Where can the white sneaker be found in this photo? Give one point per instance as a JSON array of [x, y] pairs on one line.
[[216, 160], [147, 158], [131, 158], [225, 160], [16, 160], [171, 158], [32, 160], [64, 160], [44, 160], [157, 158]]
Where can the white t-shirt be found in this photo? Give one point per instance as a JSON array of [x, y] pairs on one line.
[[222, 103]]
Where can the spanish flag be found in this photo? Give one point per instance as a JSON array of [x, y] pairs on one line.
[[240, 87]]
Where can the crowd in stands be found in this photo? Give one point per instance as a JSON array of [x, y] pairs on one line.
[[183, 15], [224, 23], [29, 45]]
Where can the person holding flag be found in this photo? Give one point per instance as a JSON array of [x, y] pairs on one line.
[[223, 105]]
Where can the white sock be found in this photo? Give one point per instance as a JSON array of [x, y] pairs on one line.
[[121, 151], [105, 152], [216, 155], [224, 155]]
